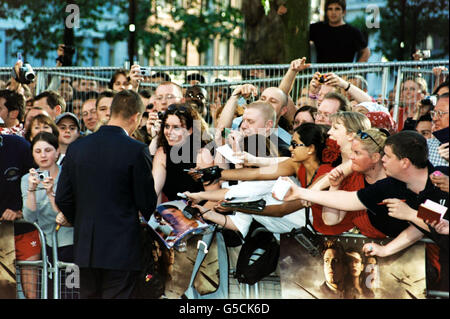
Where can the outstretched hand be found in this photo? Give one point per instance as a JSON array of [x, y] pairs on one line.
[[294, 192]]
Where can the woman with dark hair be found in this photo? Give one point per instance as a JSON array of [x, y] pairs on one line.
[[119, 81], [38, 193], [181, 147], [305, 114], [41, 123]]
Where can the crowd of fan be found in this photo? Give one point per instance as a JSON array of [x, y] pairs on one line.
[[334, 137]]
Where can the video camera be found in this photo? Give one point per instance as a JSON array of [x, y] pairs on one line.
[[310, 241], [26, 74]]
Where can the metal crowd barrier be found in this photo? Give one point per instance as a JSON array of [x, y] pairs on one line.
[[40, 266], [383, 78], [60, 269]]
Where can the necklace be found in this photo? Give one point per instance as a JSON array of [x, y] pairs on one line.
[[312, 178]]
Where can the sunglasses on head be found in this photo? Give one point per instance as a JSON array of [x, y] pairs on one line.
[[365, 135], [177, 108]]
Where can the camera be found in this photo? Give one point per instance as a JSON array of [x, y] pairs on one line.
[[322, 78], [26, 74], [42, 175], [423, 54], [146, 71], [429, 100], [190, 212]]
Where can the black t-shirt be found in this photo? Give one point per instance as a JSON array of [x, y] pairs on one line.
[[336, 44], [392, 188]]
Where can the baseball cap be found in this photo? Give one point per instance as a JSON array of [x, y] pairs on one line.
[[70, 115]]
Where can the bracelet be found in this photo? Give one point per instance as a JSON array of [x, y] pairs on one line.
[[31, 190], [201, 214], [348, 87], [225, 221]]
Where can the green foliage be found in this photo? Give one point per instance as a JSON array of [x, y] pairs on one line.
[[410, 22], [44, 23], [199, 26]]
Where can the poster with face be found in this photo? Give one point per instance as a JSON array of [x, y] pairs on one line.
[[7, 261], [340, 270], [174, 221]]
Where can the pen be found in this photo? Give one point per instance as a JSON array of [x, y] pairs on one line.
[[402, 200]]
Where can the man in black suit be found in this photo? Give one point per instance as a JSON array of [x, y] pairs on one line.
[[105, 182]]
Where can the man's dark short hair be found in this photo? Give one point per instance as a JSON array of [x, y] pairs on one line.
[[195, 76], [126, 103], [411, 145], [14, 101], [162, 75], [342, 3], [146, 93], [344, 104], [53, 99], [424, 118], [336, 245], [105, 93]]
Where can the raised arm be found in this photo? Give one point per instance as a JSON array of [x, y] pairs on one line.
[[357, 94], [227, 115]]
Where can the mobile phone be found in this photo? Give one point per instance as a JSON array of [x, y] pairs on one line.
[[182, 195], [226, 132]]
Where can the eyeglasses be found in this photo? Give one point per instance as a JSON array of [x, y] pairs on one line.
[[165, 97], [320, 114], [437, 114], [294, 144], [365, 135]]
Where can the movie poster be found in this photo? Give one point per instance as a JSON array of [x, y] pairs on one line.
[[7, 261], [340, 270], [182, 264], [172, 225]]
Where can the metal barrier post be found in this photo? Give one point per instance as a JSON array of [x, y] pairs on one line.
[[42, 263], [397, 94]]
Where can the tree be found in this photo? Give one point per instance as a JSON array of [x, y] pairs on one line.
[[275, 31], [45, 24], [405, 25]]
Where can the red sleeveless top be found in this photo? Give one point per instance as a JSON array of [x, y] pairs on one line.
[[353, 182]]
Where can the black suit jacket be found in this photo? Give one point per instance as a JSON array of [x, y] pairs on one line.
[[105, 181]]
